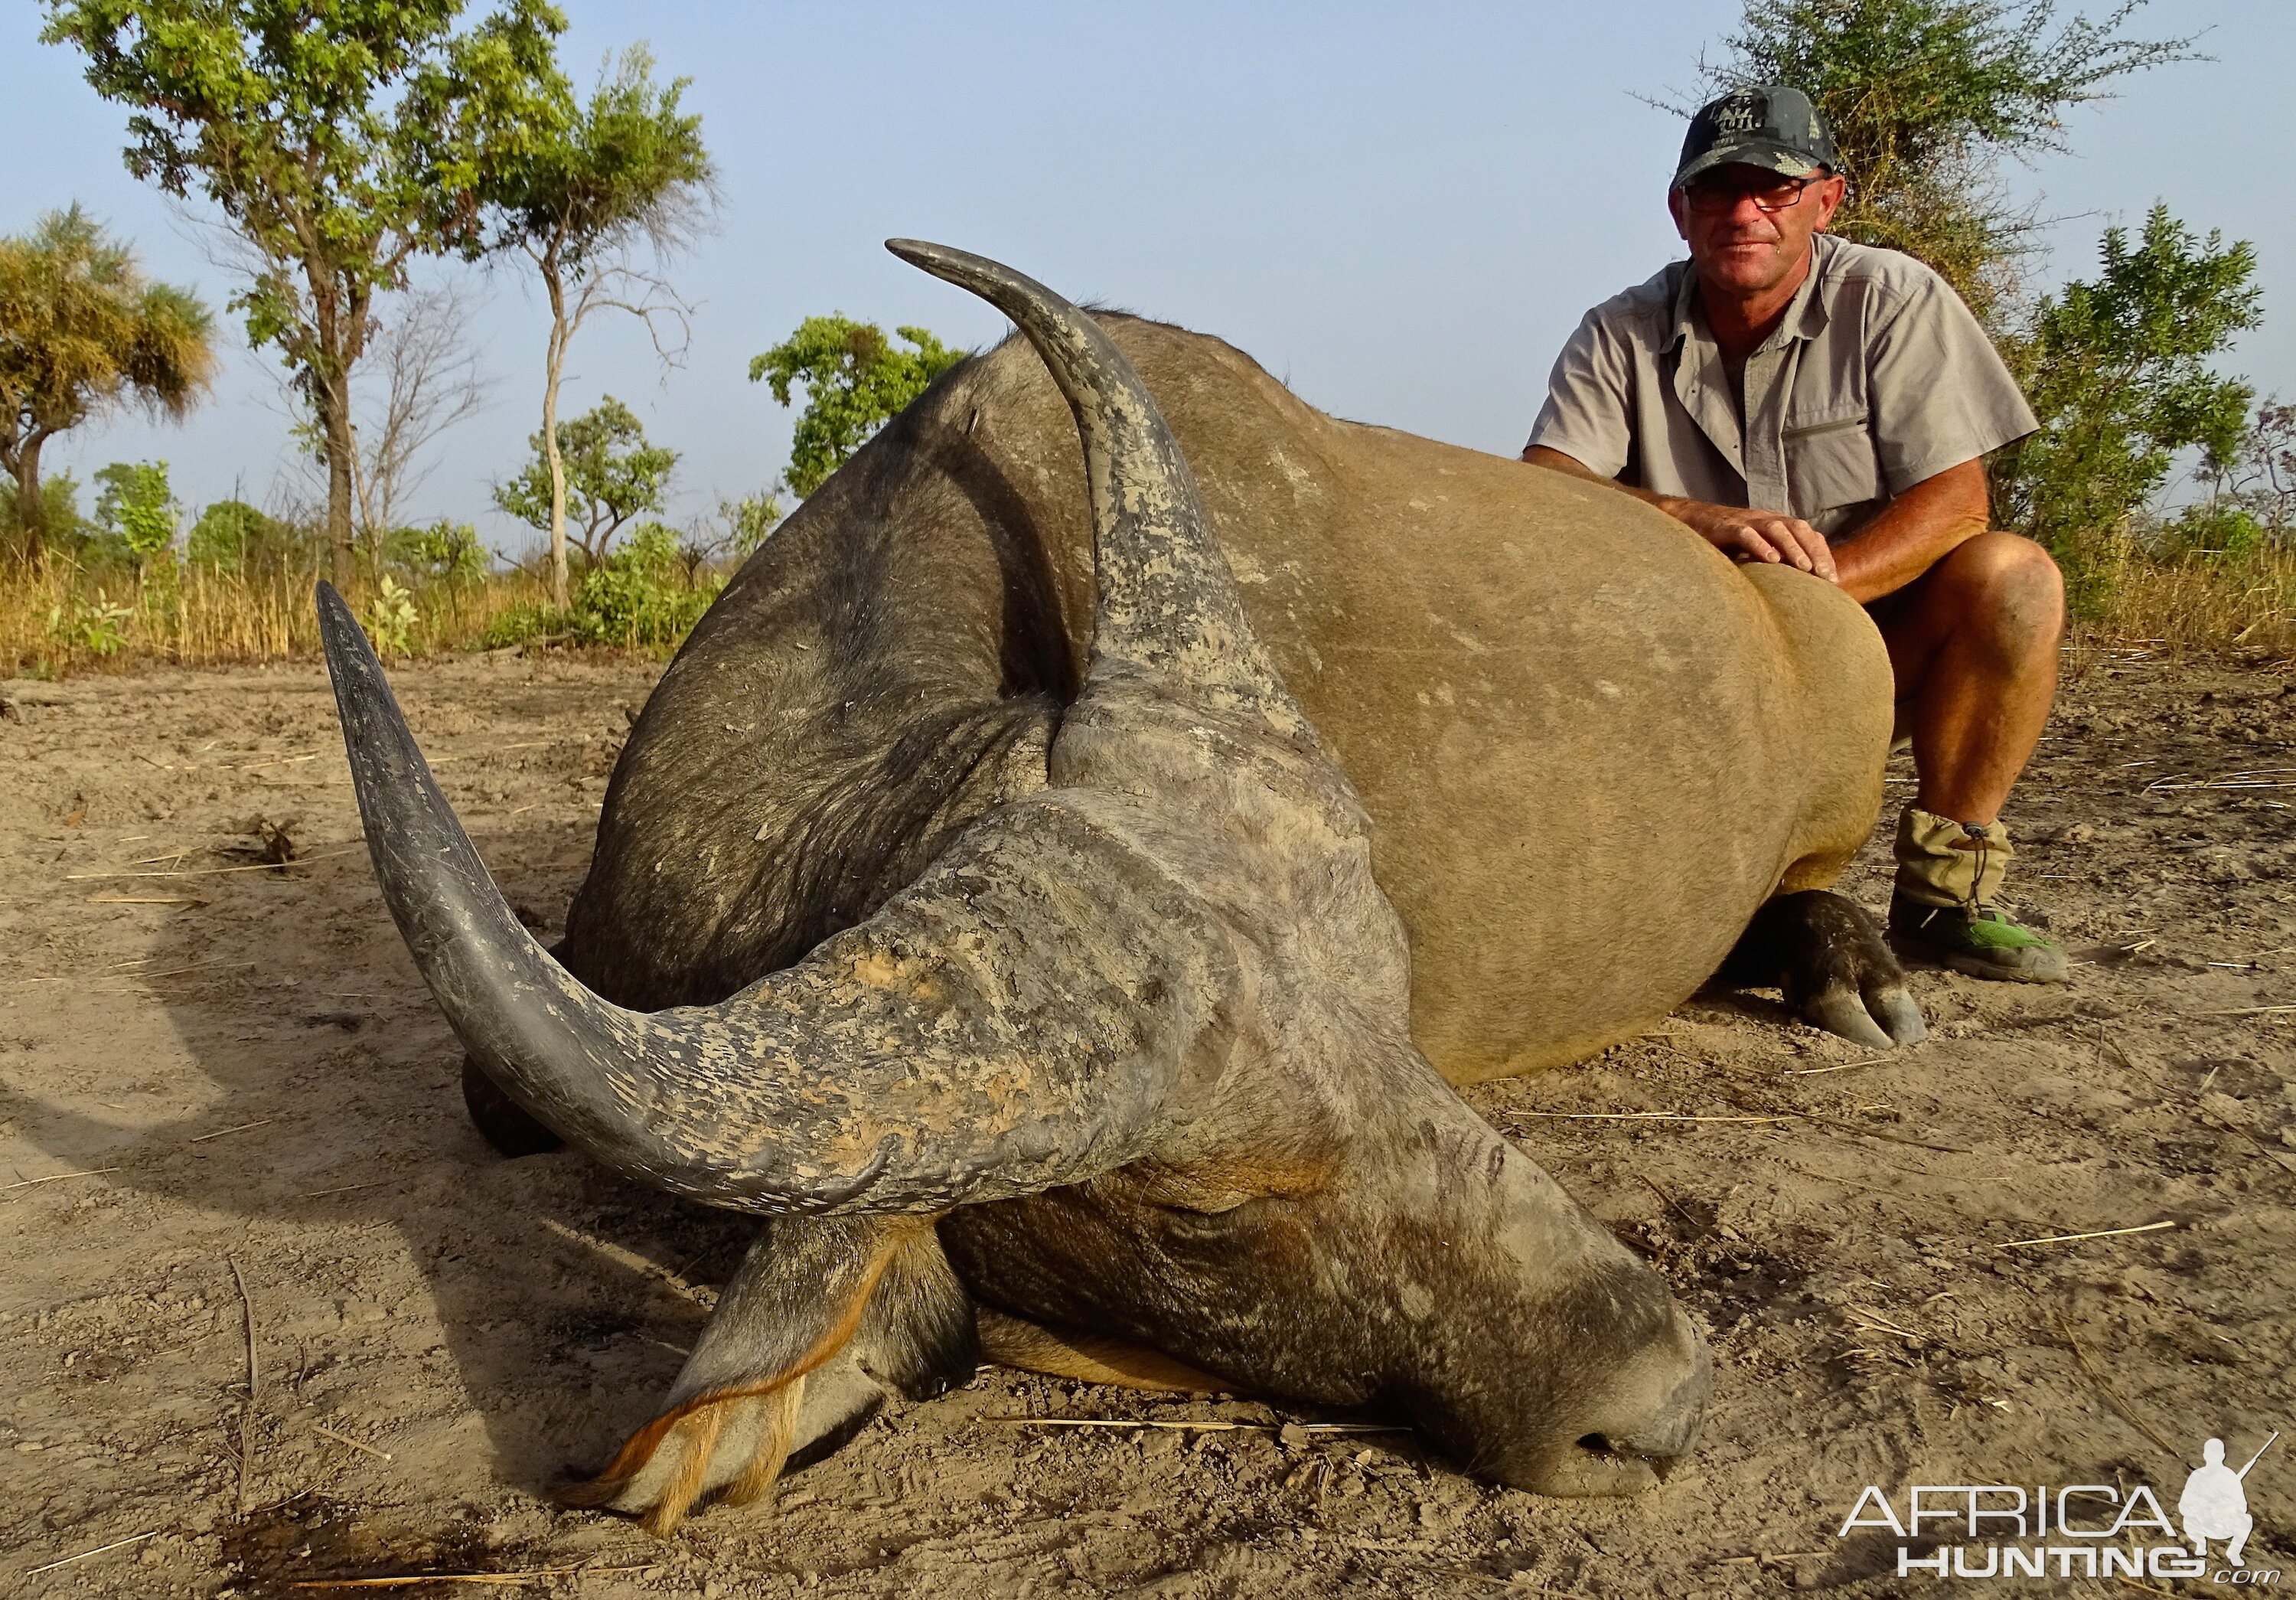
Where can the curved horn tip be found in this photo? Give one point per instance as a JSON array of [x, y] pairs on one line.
[[923, 252]]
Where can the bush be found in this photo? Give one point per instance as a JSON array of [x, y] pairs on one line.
[[65, 528], [445, 551], [2212, 530], [226, 533], [641, 596], [525, 624], [137, 512]]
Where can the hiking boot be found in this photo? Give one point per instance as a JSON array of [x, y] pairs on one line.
[[1984, 941]]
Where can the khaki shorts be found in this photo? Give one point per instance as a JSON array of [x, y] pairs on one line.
[[1884, 610]]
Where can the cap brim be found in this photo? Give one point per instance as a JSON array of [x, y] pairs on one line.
[[1766, 153]]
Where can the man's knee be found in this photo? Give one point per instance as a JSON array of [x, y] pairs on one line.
[[2007, 582]]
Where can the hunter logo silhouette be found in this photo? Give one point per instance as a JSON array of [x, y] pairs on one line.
[[2214, 1504]]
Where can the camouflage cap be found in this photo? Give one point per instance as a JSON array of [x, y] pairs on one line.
[[1771, 126]]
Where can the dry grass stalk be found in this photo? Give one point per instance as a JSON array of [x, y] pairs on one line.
[[1871, 1061], [326, 1432], [507, 1579], [1197, 1427], [246, 1412], [347, 1188], [2105, 1233], [2194, 606], [2112, 1396], [118, 1543], [224, 1132], [1639, 1116], [1671, 1202], [56, 1178], [203, 872], [192, 616]]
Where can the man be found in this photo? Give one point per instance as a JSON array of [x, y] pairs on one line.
[[1791, 397]]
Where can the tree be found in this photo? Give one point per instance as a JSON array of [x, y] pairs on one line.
[[609, 474], [2252, 497], [1925, 98], [856, 382], [227, 533], [749, 522], [2118, 373], [62, 528], [443, 552], [339, 138], [625, 170], [137, 509], [83, 331], [433, 379]]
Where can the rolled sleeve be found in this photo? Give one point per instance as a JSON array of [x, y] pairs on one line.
[[1586, 413], [1941, 394]]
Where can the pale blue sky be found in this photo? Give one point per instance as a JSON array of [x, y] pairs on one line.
[[1400, 210]]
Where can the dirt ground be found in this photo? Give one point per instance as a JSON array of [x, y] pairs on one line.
[[232, 1146]]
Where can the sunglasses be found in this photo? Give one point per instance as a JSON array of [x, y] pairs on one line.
[[1714, 197]]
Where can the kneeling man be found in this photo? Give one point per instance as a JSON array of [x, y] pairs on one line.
[[1792, 396]]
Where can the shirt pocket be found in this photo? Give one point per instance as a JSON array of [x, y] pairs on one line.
[[1831, 463]]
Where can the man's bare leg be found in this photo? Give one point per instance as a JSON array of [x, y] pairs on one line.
[[1974, 645]]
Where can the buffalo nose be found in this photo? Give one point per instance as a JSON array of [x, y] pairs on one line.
[[1646, 1422]]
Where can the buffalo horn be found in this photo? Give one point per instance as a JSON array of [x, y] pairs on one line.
[[937, 1054], [1167, 603]]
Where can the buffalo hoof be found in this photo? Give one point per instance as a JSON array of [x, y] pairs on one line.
[[1836, 969], [501, 1120]]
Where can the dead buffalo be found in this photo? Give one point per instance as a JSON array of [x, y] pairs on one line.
[[973, 901]]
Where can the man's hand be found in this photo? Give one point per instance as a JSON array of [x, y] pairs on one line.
[[1763, 535]]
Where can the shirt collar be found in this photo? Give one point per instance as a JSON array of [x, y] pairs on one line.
[[1806, 313]]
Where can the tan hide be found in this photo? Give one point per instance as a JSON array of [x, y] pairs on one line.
[[1591, 744]]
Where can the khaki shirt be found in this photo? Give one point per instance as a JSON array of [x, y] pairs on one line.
[[1877, 378]]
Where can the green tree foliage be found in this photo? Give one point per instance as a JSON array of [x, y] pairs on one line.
[[856, 382], [645, 596], [2118, 370], [628, 168], [442, 552], [749, 521], [135, 510], [82, 330], [231, 536], [1926, 97], [339, 139], [611, 475], [226, 535]]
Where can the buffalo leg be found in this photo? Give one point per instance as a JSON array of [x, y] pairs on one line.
[[1836, 969], [823, 1319], [1087, 1358], [501, 1120]]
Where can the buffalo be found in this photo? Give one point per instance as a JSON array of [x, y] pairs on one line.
[[1059, 905]]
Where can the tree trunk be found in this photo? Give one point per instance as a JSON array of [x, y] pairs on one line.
[[559, 335], [335, 421], [31, 516], [339, 322]]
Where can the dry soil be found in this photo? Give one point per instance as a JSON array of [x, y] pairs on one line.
[[234, 1158]]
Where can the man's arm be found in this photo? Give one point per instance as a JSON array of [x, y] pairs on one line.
[[1913, 532], [1764, 536]]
